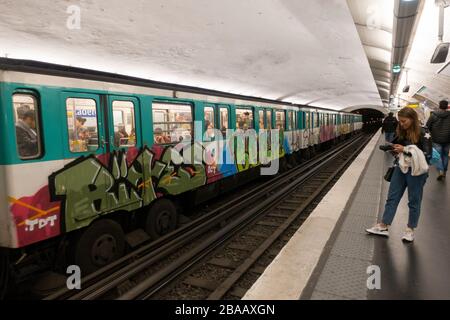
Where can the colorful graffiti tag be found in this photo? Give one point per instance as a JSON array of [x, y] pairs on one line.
[[126, 180], [87, 188]]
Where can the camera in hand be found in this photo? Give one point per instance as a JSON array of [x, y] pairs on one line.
[[387, 147]]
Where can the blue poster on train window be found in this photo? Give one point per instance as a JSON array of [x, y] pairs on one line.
[[87, 113]]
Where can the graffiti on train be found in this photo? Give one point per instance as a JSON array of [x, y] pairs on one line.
[[130, 179], [36, 217], [88, 188]]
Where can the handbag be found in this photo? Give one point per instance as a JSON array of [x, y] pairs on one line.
[[389, 173], [436, 157]]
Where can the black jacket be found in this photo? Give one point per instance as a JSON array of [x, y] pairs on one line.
[[27, 143], [389, 125], [439, 126], [425, 143]]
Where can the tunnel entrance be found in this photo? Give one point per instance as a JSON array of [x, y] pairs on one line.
[[372, 119]]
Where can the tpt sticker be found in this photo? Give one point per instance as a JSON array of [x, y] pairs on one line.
[[38, 224]]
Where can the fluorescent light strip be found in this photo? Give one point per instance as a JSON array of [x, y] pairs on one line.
[[443, 68]]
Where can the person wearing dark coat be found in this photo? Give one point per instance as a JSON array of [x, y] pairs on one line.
[[27, 140], [439, 126], [389, 127]]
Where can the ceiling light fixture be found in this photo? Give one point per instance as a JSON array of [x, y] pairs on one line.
[[441, 51], [406, 87]]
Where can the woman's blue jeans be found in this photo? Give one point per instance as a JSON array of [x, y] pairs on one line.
[[399, 182]]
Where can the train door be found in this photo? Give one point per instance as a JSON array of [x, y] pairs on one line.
[[294, 127], [83, 181], [307, 129], [223, 118], [265, 122], [211, 141], [124, 145], [291, 129], [216, 118]]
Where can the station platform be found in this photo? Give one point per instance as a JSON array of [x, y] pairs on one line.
[[329, 256]]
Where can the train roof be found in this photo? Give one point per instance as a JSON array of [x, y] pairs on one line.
[[178, 91]]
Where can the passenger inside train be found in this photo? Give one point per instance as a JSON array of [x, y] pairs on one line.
[[25, 132]]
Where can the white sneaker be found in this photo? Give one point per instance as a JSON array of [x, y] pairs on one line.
[[408, 235], [378, 230]]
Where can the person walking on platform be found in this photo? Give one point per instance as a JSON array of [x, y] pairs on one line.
[[439, 126], [389, 127], [412, 148]]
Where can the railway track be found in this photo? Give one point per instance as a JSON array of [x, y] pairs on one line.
[[262, 216]]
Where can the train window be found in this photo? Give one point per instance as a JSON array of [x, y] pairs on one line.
[[292, 120], [244, 119], [289, 117], [280, 120], [27, 126], [223, 121], [172, 123], [261, 119], [82, 124], [307, 120], [209, 122], [269, 119], [124, 124], [316, 120]]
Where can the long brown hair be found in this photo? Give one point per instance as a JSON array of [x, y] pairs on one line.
[[413, 132]]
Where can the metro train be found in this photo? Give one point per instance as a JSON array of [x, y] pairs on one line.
[[87, 158]]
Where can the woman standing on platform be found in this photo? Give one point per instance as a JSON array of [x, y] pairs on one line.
[[408, 134]]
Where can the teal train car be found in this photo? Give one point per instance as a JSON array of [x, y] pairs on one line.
[[87, 157]]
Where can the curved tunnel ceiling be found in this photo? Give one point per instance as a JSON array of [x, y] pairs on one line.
[[427, 81], [300, 51], [374, 22]]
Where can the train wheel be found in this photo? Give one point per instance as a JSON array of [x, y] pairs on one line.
[[298, 157], [161, 218], [312, 151], [283, 164], [292, 161], [4, 273], [100, 244]]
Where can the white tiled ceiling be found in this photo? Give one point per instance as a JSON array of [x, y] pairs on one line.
[[374, 21], [301, 51]]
